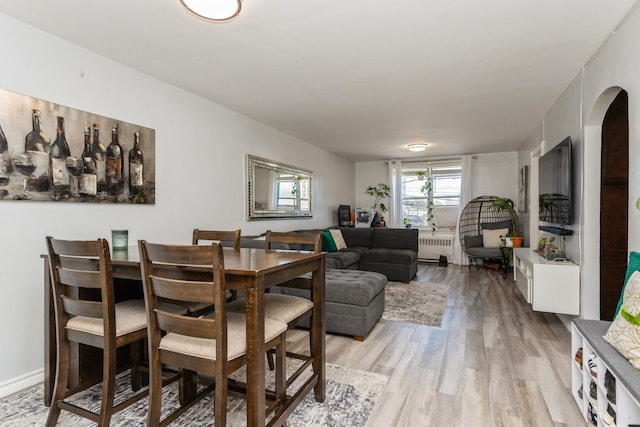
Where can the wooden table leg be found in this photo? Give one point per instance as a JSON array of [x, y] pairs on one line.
[[318, 328], [255, 354]]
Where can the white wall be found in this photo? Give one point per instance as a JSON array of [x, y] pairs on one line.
[[201, 151], [495, 174], [578, 113]]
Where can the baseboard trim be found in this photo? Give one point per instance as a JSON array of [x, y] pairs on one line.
[[20, 383]]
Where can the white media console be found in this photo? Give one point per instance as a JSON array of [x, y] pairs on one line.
[[550, 286]]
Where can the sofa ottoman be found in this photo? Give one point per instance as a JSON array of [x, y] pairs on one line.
[[354, 301]]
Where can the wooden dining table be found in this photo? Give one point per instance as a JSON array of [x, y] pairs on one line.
[[249, 270]]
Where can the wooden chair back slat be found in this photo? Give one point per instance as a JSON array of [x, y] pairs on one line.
[[223, 236], [77, 248], [77, 307], [309, 238], [183, 290], [178, 257], [186, 325], [79, 278]]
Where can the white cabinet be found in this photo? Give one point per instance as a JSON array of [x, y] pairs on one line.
[[550, 286]]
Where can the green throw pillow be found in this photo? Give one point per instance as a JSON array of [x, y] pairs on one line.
[[328, 244], [634, 265]]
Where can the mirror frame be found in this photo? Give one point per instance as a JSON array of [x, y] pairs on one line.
[[254, 162]]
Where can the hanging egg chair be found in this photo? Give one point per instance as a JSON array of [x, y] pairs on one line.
[[481, 223]]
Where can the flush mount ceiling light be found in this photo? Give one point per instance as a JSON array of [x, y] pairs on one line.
[[417, 147], [213, 10]]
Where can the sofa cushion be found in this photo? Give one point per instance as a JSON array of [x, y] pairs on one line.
[[624, 332], [395, 238], [338, 239], [390, 256], [328, 244], [360, 237], [341, 259], [632, 266], [356, 249], [351, 287]]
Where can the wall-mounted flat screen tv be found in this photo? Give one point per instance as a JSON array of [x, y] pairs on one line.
[[555, 185]]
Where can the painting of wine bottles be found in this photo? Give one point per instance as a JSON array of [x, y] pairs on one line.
[[51, 152]]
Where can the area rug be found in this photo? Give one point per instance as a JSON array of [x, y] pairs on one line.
[[415, 302], [351, 395]]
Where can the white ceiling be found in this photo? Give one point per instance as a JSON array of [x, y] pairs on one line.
[[360, 78]]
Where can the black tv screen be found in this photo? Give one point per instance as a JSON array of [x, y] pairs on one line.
[[555, 185]]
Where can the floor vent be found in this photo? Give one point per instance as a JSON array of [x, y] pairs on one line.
[[432, 246]]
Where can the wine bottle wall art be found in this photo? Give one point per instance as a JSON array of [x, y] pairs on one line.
[[51, 152]]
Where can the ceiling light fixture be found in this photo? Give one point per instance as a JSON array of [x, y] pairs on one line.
[[213, 10], [417, 147]]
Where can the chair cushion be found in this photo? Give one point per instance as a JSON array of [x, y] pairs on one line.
[[484, 252], [473, 241], [131, 316], [284, 308], [236, 339], [491, 238], [498, 224]]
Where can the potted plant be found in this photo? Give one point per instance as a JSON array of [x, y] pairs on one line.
[[406, 223], [381, 192], [501, 204], [516, 239]]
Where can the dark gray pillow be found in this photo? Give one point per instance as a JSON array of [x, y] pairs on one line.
[[473, 242], [497, 225]]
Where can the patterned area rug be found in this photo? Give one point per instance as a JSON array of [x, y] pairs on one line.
[[415, 302], [351, 396]]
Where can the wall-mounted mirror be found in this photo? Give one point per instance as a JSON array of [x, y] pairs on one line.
[[276, 190]]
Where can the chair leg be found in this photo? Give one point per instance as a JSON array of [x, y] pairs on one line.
[[281, 368], [155, 390], [270, 359], [62, 379], [220, 396], [134, 351], [108, 386]]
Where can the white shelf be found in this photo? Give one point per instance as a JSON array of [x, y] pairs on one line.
[[550, 286], [627, 408]]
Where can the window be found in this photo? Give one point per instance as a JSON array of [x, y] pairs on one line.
[[431, 193], [293, 193]]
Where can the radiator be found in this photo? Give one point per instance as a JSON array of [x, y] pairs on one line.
[[432, 246]]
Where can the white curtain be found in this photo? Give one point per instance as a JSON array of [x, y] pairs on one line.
[[465, 196], [394, 219]]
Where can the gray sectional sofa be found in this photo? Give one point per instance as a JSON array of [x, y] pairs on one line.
[[357, 275], [390, 251]]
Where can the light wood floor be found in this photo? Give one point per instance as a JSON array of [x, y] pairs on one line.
[[494, 362]]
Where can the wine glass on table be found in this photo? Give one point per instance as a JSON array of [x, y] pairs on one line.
[[75, 166], [24, 164]]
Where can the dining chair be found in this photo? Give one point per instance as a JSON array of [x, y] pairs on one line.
[[213, 345], [86, 313], [223, 236], [288, 308]]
